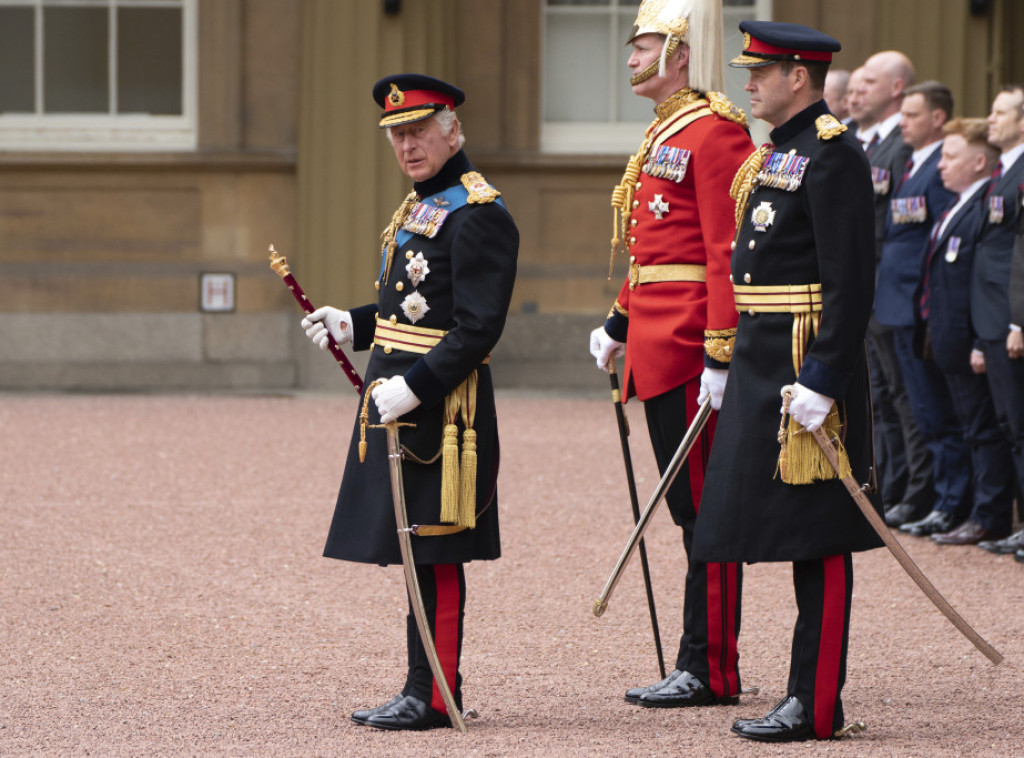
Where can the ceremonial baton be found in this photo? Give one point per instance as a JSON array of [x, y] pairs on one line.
[[897, 550], [627, 459], [280, 265], [696, 427]]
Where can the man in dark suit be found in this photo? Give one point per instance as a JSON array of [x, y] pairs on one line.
[[448, 265], [990, 279], [904, 461], [1015, 344], [943, 337], [918, 201], [803, 273]]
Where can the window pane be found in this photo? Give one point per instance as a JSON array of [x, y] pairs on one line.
[[149, 61], [17, 61], [631, 107], [576, 63], [75, 60]]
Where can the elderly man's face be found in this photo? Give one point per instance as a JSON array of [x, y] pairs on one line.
[[422, 149]]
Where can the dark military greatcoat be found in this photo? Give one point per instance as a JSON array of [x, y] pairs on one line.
[[461, 286], [808, 221]]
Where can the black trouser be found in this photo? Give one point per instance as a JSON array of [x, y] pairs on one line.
[[711, 605], [817, 671], [443, 587]]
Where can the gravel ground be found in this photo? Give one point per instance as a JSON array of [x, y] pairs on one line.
[[163, 594]]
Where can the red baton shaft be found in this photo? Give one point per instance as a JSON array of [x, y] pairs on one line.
[[280, 265]]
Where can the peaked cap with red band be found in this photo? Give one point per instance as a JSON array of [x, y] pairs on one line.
[[406, 98], [767, 42]]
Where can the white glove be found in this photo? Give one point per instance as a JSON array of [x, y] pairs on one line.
[[809, 408], [604, 348], [328, 320], [712, 382], [393, 398]]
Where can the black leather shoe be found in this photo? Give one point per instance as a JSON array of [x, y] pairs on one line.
[[1011, 544], [1019, 556], [684, 691], [902, 513], [633, 694], [410, 714], [968, 533], [786, 722], [360, 716], [935, 522]]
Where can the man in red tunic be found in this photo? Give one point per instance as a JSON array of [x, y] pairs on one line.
[[674, 318]]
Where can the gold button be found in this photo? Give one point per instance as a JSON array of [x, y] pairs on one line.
[[639, 185], [632, 240], [399, 286], [632, 222], [726, 349], [730, 279], [632, 259], [388, 349], [751, 311], [409, 255], [636, 203], [746, 278], [751, 245], [376, 285], [732, 245], [393, 319]]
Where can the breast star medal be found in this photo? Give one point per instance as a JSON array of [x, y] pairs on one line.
[[417, 269], [763, 216], [658, 206], [415, 306]]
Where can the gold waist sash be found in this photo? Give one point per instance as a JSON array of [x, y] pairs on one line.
[[407, 337], [677, 272], [780, 298], [802, 300]]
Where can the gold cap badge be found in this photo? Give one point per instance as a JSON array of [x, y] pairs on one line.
[[396, 97]]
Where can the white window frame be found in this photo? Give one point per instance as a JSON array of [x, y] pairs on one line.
[[616, 137], [110, 131]]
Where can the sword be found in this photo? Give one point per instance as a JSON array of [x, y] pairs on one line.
[[857, 493], [696, 427], [280, 265], [627, 459], [412, 583]]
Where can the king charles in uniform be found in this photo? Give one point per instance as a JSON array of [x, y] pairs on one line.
[[447, 268], [674, 317], [803, 273]]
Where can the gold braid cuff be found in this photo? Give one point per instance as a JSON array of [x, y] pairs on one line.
[[718, 344], [616, 308]]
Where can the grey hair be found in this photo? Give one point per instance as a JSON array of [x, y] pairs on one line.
[[446, 119]]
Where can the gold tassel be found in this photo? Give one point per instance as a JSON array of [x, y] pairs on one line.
[[801, 459], [364, 420], [467, 480], [450, 475]]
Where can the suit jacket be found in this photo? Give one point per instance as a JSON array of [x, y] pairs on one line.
[[470, 253], [1017, 266], [946, 335], [888, 160], [808, 220], [681, 214], [990, 279], [913, 210]]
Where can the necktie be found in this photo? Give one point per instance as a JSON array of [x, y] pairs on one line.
[[997, 174], [906, 172], [872, 144], [923, 303]]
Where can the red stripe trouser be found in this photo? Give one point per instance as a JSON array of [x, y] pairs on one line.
[[824, 591], [711, 605], [443, 587]]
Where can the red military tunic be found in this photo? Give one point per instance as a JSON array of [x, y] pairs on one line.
[[680, 214]]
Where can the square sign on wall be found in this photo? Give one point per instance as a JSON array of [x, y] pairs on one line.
[[217, 293]]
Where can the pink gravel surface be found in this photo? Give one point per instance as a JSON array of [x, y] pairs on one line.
[[163, 594]]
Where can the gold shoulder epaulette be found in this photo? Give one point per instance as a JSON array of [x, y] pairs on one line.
[[724, 107], [479, 190], [718, 344], [829, 127]]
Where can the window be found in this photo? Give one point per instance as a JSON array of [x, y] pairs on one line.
[[98, 74], [587, 105]]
